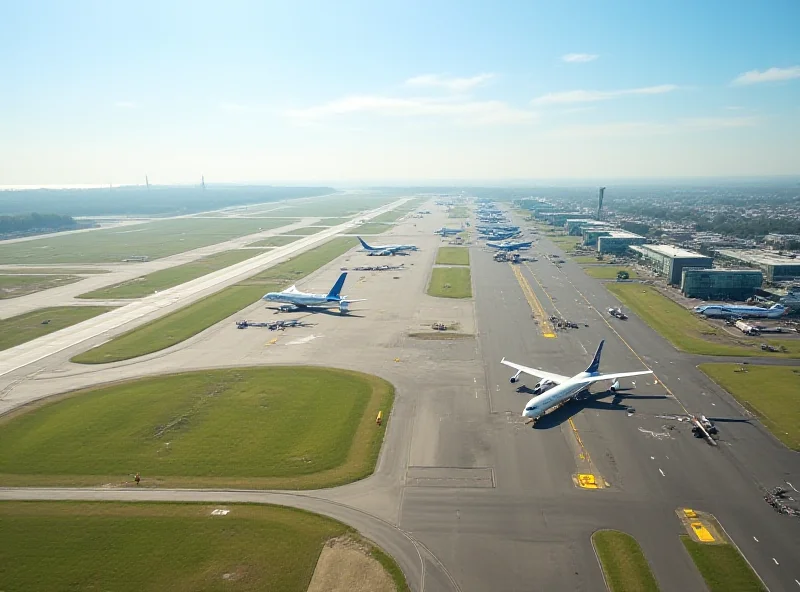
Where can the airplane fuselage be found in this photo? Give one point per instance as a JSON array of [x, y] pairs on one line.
[[561, 393], [301, 299]]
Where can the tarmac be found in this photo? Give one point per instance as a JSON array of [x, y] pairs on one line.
[[465, 495]]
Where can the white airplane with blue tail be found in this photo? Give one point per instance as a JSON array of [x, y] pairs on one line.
[[386, 249], [554, 390], [294, 299]]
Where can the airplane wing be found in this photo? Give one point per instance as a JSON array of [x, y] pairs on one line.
[[557, 378], [351, 301], [614, 376]]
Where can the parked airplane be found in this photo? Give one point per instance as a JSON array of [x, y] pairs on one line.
[[447, 231], [295, 299], [743, 311], [499, 236], [554, 389], [386, 249], [509, 246]]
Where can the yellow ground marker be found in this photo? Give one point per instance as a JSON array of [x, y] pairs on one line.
[[533, 302], [587, 481], [701, 532], [689, 513], [272, 341]]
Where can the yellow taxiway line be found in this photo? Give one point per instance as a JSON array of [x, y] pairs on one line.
[[586, 480], [536, 306]]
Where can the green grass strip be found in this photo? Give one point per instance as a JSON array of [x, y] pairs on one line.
[[608, 272], [191, 320], [275, 241], [450, 282], [180, 547], [770, 392], [452, 256], [16, 285], [17, 330], [369, 228], [173, 276], [624, 565], [183, 430], [722, 566], [689, 332], [307, 231]]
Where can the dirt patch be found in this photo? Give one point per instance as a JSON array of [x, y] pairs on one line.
[[346, 565]]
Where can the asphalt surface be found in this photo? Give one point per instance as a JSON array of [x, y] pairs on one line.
[[465, 496]]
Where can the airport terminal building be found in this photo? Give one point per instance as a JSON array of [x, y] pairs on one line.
[[616, 242], [720, 284], [775, 267], [670, 261]]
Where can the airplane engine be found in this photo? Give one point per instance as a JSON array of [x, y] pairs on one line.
[[515, 378], [344, 307]]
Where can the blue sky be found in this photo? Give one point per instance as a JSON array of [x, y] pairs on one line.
[[106, 92]]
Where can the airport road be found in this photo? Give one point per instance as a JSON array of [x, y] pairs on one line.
[[145, 309], [632, 451]]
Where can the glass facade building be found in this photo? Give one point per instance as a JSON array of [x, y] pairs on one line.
[[720, 284]]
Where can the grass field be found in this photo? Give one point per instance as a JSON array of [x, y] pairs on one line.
[[458, 212], [275, 241], [174, 276], [608, 272], [191, 320], [51, 270], [450, 282], [452, 256], [244, 427], [332, 221], [307, 231], [770, 392], [723, 568], [567, 243], [179, 547], [338, 206], [583, 259], [688, 332], [623, 562], [370, 228], [154, 239], [13, 286], [22, 328]]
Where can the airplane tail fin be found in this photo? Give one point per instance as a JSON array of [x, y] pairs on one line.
[[336, 291], [363, 244], [595, 365]]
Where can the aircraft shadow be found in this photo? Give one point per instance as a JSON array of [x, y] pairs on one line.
[[322, 311], [593, 401]]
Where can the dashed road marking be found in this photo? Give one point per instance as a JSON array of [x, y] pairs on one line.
[[755, 539], [776, 561], [662, 473]]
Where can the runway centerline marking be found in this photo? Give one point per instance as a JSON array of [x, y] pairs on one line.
[[776, 561], [662, 473], [755, 539], [533, 302]]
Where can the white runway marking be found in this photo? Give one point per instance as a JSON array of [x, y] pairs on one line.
[[662, 473]]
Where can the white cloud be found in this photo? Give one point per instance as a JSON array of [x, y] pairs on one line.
[[770, 75], [579, 58], [451, 84], [125, 105], [589, 96], [652, 128], [463, 111]]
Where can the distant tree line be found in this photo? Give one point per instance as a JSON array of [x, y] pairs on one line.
[[23, 223]]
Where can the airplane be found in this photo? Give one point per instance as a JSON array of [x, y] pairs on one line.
[[555, 390], [386, 249], [499, 236], [506, 246], [447, 231], [294, 299], [743, 311]]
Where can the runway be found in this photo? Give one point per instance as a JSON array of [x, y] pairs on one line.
[[465, 496]]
